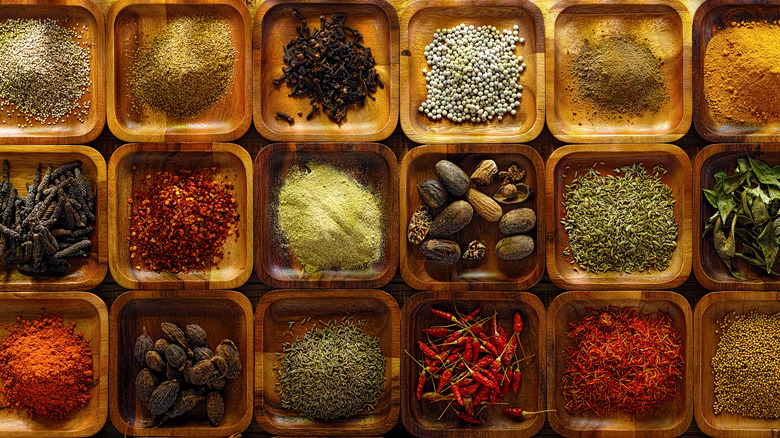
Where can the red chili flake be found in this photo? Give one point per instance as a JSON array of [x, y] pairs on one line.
[[181, 219], [623, 361]]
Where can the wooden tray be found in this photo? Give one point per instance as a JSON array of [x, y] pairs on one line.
[[666, 25], [79, 13], [420, 417], [235, 267], [274, 28], [709, 269], [372, 164], [565, 161], [710, 310], [85, 273], [222, 314], [420, 20], [711, 15], [131, 20], [274, 313], [91, 318], [671, 419], [490, 273]]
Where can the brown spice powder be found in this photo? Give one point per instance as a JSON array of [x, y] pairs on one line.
[[619, 75]]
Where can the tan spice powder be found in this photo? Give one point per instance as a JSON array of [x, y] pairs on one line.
[[186, 68], [329, 220], [742, 73]]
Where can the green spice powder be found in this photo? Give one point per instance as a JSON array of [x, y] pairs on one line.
[[622, 223], [186, 68], [329, 220], [746, 365]]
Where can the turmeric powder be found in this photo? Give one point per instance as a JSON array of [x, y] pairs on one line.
[[742, 73]]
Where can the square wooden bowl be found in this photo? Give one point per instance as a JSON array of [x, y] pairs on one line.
[[420, 417], [274, 28], [79, 13], [561, 167], [665, 24], [372, 164], [671, 419], [84, 273], [707, 266], [710, 311], [91, 317], [490, 273], [277, 309], [235, 267], [222, 314], [711, 15], [421, 19], [141, 20]]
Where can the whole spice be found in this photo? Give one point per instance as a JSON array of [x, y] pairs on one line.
[[432, 193], [419, 225], [190, 376], [335, 371], [329, 220], [186, 68], [44, 71], [328, 68], [475, 251], [46, 367], [746, 364], [619, 75], [744, 219], [622, 361], [620, 223], [181, 220], [466, 381], [40, 231], [741, 85], [484, 173], [473, 75]]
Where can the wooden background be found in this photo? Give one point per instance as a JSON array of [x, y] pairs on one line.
[[691, 143]]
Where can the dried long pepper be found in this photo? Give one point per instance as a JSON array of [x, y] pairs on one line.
[[623, 361]]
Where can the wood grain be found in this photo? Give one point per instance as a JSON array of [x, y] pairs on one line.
[[671, 419], [222, 314], [709, 269], [277, 309], [138, 21], [84, 273], [235, 267], [420, 417], [419, 21], [664, 24], [709, 18], [274, 28], [91, 317], [370, 164], [79, 13], [490, 273], [561, 168], [709, 313]]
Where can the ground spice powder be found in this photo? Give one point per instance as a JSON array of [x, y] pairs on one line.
[[46, 367], [742, 73], [619, 75], [329, 220]]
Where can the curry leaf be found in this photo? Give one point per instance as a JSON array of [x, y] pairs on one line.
[[733, 182], [726, 205], [763, 172], [769, 246], [712, 197], [759, 212]]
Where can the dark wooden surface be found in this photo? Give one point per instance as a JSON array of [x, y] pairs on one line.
[[253, 289]]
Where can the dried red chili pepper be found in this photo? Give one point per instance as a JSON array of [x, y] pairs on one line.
[[510, 351], [445, 378], [427, 350], [467, 418], [517, 323], [474, 350], [467, 353], [420, 385], [471, 316], [456, 390], [437, 332], [443, 314], [517, 378], [468, 390]]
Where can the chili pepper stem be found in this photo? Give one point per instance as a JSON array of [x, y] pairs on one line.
[[445, 410], [415, 360]]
